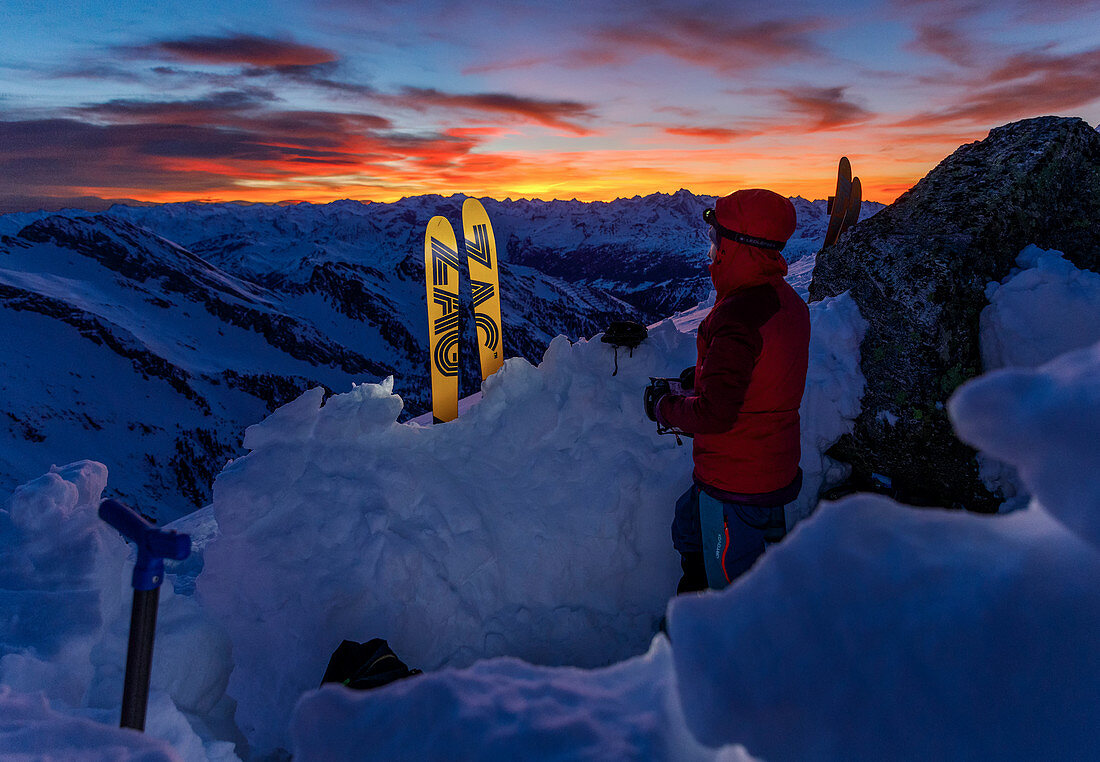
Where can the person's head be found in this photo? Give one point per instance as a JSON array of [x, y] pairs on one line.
[[748, 230]]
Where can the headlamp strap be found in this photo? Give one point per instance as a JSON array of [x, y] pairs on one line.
[[750, 240]]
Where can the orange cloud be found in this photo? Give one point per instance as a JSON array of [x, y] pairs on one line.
[[231, 145], [710, 134], [159, 163]]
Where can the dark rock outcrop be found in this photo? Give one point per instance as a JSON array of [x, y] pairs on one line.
[[918, 271]]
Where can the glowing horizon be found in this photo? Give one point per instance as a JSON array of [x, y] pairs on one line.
[[518, 100]]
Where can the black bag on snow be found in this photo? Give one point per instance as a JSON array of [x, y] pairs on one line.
[[624, 333], [363, 666]]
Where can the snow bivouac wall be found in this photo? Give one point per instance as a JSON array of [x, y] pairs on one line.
[[534, 526], [874, 631]]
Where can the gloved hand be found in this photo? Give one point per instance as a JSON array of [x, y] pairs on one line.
[[658, 388], [687, 377]]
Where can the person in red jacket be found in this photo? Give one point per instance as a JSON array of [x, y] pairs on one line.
[[742, 404]]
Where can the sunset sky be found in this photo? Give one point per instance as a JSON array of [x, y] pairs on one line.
[[295, 100]]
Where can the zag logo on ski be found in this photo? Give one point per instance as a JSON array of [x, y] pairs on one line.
[[481, 255], [442, 270]]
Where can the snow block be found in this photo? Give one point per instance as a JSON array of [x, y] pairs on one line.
[[507, 709], [878, 631], [536, 526], [30, 729], [1046, 423]]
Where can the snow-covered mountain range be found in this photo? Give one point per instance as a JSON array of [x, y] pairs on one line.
[[152, 336]]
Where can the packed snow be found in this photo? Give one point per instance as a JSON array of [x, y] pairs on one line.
[[31, 730], [1019, 328], [1044, 308], [521, 555], [65, 598], [510, 709]]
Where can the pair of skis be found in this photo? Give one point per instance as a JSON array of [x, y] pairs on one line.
[[442, 269], [845, 205]]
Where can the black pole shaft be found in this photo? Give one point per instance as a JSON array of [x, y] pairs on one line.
[[139, 658]]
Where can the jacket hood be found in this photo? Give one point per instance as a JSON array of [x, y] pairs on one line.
[[760, 213]]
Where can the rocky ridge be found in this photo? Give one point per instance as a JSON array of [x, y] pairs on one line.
[[918, 271]]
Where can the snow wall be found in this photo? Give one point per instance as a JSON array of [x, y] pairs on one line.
[[534, 526]]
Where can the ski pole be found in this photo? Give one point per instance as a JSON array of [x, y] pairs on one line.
[[153, 546]]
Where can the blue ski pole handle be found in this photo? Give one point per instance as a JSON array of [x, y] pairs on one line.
[[153, 544]]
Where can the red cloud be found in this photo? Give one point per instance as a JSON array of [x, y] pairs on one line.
[[824, 108], [65, 157], [236, 109], [712, 42], [215, 105], [947, 43], [242, 49], [1023, 85], [561, 115], [1026, 11]]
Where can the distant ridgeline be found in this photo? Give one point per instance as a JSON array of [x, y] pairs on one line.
[[150, 337]]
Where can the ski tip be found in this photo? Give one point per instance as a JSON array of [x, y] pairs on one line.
[[439, 227], [472, 205]]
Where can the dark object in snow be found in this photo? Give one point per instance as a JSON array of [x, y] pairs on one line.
[[624, 333], [918, 271], [153, 546], [363, 666]]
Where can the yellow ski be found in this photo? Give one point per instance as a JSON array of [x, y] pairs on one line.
[[441, 272], [481, 254]]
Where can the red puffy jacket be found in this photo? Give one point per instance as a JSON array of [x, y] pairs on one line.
[[753, 350]]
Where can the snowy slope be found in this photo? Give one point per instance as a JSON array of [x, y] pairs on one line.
[[123, 343]]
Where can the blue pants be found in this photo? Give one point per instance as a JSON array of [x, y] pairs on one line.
[[729, 536]]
